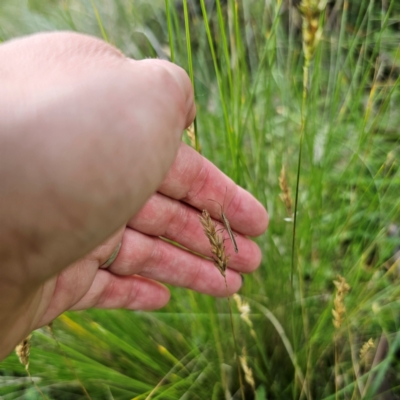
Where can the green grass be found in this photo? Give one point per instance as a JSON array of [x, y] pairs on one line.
[[247, 62]]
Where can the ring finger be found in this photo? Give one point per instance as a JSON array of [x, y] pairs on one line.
[[156, 259]]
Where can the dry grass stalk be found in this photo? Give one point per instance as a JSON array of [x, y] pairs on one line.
[[366, 346], [248, 373], [339, 310], [286, 195], [312, 31], [216, 241], [23, 350]]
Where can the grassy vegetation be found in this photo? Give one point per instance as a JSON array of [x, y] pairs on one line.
[[246, 59]]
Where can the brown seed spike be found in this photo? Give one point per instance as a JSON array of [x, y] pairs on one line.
[[216, 241]]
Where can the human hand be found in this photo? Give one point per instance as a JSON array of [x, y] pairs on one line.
[[145, 259], [88, 136]]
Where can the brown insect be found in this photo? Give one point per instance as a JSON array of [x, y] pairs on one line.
[[227, 225]]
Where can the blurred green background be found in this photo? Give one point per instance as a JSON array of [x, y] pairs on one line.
[[257, 107]]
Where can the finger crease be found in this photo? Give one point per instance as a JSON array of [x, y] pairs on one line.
[[201, 178], [180, 219], [195, 277]]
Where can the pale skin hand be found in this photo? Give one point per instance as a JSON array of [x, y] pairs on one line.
[[86, 137]]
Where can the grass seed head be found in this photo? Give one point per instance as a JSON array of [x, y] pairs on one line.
[[216, 241], [339, 310], [23, 350], [248, 373], [312, 31], [244, 310], [365, 348], [192, 137], [286, 195]]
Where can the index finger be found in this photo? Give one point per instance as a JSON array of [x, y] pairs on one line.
[[197, 181]]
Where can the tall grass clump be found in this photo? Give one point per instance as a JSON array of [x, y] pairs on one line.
[[298, 102]]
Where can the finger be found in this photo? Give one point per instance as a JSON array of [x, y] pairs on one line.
[[73, 282], [131, 292], [163, 216], [196, 181], [156, 259]]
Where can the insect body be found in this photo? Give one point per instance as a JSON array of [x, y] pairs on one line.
[[227, 226], [229, 230]]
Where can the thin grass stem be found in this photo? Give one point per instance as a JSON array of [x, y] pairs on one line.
[[170, 31], [99, 22]]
